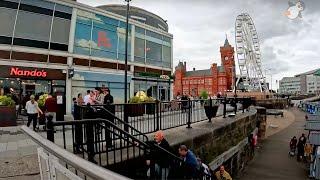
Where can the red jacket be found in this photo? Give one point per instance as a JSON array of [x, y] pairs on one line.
[[51, 105]]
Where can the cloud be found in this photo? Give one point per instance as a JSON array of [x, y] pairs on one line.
[[87, 44]]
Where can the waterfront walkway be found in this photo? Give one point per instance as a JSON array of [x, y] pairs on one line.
[[272, 160]]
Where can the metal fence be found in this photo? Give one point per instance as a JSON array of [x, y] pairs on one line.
[[150, 117]]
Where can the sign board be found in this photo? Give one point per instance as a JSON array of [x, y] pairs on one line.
[[59, 99], [31, 73]]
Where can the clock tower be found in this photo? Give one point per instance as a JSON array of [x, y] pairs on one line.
[[227, 61]]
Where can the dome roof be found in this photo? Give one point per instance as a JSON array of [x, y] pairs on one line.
[[138, 14]]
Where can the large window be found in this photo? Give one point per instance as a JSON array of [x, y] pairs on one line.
[[153, 51], [100, 36], [27, 29], [7, 17], [60, 34], [139, 50], [166, 51]]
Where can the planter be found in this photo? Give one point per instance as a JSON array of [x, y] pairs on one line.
[[134, 110], [150, 108], [211, 111], [8, 116]]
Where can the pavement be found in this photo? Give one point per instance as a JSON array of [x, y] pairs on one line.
[[271, 160]]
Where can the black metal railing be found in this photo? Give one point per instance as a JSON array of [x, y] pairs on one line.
[[150, 117], [120, 151]]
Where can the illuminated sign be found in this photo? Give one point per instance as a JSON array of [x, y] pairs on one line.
[[14, 71], [164, 77]]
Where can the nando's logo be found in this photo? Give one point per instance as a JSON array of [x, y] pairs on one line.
[[14, 71]]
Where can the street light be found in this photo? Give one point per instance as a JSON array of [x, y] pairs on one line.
[[126, 55]]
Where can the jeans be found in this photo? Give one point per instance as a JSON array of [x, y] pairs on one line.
[[161, 172], [32, 117]]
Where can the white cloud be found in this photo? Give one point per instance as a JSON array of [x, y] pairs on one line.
[[87, 43]]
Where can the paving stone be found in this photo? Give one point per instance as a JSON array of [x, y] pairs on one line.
[[29, 150], [9, 154], [3, 147], [23, 143], [12, 146]]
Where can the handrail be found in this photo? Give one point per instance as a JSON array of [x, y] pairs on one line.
[[118, 119], [99, 120], [86, 167]]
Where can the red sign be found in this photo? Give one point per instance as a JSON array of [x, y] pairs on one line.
[[103, 40], [14, 71]]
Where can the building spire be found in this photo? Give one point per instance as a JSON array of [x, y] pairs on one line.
[[226, 42]]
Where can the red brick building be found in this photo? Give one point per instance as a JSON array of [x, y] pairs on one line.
[[216, 79]]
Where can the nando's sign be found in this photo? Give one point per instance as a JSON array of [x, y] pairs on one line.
[[31, 73], [15, 71]]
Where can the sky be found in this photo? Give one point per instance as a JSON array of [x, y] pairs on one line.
[[199, 28]]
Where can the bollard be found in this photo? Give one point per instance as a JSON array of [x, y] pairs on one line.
[[189, 114], [157, 106], [224, 107], [50, 129], [235, 107], [210, 105]]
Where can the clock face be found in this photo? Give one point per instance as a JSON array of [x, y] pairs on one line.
[[226, 58]]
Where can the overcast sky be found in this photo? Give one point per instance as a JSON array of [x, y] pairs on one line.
[[288, 46]]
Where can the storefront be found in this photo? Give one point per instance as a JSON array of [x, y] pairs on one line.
[[26, 81], [85, 80], [158, 87]]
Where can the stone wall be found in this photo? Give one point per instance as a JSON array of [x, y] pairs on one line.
[[273, 103], [210, 144]]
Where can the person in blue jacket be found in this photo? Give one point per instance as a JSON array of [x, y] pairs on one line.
[[191, 165]]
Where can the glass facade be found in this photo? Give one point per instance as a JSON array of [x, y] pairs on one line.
[[39, 24], [100, 36], [152, 48]]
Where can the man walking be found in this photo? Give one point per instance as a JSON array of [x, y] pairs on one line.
[[32, 111], [160, 158], [191, 165]]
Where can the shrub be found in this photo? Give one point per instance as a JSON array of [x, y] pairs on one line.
[[6, 101], [204, 94]]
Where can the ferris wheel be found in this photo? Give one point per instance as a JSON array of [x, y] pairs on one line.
[[248, 54]]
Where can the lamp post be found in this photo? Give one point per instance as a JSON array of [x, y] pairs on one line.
[[126, 55]]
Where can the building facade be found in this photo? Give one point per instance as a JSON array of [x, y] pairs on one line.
[[304, 83], [216, 79], [290, 85], [41, 41]]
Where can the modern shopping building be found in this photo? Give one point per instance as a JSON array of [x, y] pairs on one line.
[[304, 83], [216, 79], [43, 41]]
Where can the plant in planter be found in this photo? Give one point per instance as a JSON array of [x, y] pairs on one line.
[[7, 111], [41, 102], [210, 106], [150, 105], [135, 106], [203, 96]]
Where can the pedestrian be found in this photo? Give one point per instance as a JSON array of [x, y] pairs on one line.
[[222, 174], [308, 149], [110, 114], [159, 160], [293, 145], [33, 111], [86, 98], [190, 166], [80, 101], [300, 146], [99, 98], [51, 107]]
